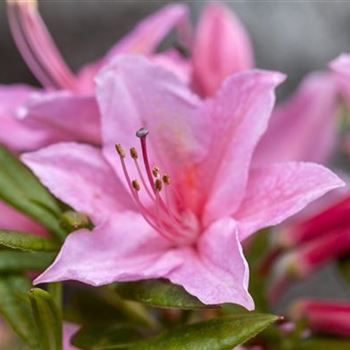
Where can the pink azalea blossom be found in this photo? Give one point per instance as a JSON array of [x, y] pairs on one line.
[[183, 221], [310, 111], [324, 316], [66, 110], [68, 331]]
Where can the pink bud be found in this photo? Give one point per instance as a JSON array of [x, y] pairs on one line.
[[323, 316]]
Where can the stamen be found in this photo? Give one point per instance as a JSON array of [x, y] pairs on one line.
[[155, 171], [158, 185], [133, 153], [166, 179], [120, 150], [136, 185], [37, 46]]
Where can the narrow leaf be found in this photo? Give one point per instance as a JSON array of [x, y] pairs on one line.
[[48, 319], [106, 337], [14, 261], [26, 241], [21, 189], [15, 307], [218, 334], [159, 293]]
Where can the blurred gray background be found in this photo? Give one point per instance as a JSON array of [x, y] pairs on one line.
[[291, 36]]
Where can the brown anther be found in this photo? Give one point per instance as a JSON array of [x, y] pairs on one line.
[[158, 185], [166, 179], [155, 171], [141, 133], [136, 186], [120, 150], [133, 153]]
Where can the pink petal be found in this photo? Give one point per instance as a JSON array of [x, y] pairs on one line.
[[145, 38], [239, 115], [69, 330], [341, 66], [124, 249], [278, 191], [176, 63], [13, 133], [221, 47], [11, 219], [310, 111], [79, 176], [216, 272], [133, 93], [63, 116]]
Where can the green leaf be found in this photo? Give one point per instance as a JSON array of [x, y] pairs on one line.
[[15, 307], [21, 189], [159, 293], [218, 334], [26, 241], [323, 344], [14, 261], [106, 337], [48, 319]]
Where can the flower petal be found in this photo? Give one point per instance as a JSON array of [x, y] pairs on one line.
[[133, 93], [124, 249], [13, 133], [310, 111], [79, 175], [239, 115], [145, 38], [63, 116], [11, 219], [69, 329], [278, 191], [221, 47], [217, 271]]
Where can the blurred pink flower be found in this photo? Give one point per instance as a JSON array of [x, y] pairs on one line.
[[66, 109], [330, 317], [68, 331], [186, 228]]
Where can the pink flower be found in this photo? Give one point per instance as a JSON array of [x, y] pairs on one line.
[[183, 221], [66, 110], [220, 48], [68, 331], [310, 111], [325, 316]]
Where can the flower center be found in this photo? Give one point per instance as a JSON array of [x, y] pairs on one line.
[[163, 215], [37, 47]]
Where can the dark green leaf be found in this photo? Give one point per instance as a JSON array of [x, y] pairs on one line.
[[21, 189], [218, 334], [72, 221], [15, 261], [26, 241], [106, 337], [15, 307], [159, 293], [323, 344], [103, 306], [48, 319]]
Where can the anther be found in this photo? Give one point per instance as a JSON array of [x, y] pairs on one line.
[[158, 185], [155, 171], [136, 186], [166, 179], [141, 133], [120, 150], [133, 153]]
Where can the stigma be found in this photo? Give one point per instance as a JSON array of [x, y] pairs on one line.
[[37, 46], [161, 210]]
